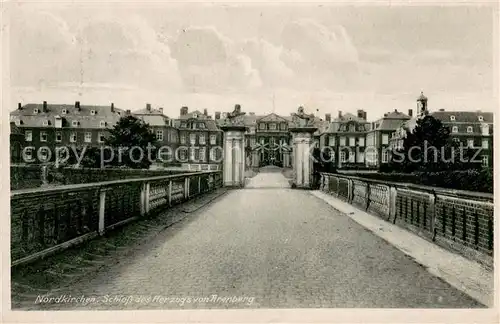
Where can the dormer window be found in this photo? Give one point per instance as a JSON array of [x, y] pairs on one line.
[[102, 123], [92, 112], [469, 129], [201, 125], [45, 123], [183, 125], [36, 111], [64, 111], [452, 118], [480, 118], [195, 115], [74, 123], [454, 129], [18, 122]]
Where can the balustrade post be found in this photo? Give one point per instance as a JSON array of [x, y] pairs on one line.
[[102, 209], [170, 193], [392, 202], [432, 213], [186, 188], [199, 184]]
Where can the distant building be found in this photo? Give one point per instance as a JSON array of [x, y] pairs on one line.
[[473, 129], [46, 126], [200, 140], [167, 136]]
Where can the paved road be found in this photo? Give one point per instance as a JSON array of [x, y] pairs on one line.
[[271, 247]]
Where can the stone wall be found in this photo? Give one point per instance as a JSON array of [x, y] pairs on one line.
[[44, 220], [458, 220]]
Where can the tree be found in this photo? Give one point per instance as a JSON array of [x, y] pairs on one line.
[[132, 137], [429, 148]]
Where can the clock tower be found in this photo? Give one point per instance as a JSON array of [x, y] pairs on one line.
[[422, 109]]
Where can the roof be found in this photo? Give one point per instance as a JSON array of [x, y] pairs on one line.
[[154, 120], [199, 115], [210, 124], [390, 124], [463, 116], [28, 117], [348, 117]]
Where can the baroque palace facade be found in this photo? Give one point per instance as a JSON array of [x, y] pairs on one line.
[[355, 142]]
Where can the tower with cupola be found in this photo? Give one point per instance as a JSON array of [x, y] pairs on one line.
[[422, 108]]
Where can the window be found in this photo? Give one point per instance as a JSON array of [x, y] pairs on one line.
[[486, 129], [351, 157], [470, 143], [272, 126], [28, 136], [191, 154], [485, 160], [88, 137], [45, 123], [92, 112], [283, 126], [195, 115], [213, 139], [159, 135], [342, 141], [485, 143], [262, 126], [454, 129], [28, 153], [352, 141], [352, 128], [331, 140], [385, 139], [100, 137], [452, 118], [74, 123], [202, 139], [480, 118], [361, 157], [102, 124], [201, 125], [72, 137], [342, 157], [361, 141], [43, 136], [44, 154], [212, 155], [182, 154], [469, 129], [64, 111], [58, 137], [457, 140], [183, 138], [202, 154], [385, 156], [36, 111], [192, 138], [183, 125]]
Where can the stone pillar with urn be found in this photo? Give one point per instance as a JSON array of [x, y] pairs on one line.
[[302, 133], [234, 149]]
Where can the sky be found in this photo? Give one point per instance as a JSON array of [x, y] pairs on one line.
[[267, 58]]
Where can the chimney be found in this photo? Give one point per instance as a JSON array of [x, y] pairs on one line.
[[410, 112], [19, 106], [44, 106], [328, 117], [148, 107], [205, 112], [364, 115], [128, 112], [217, 115], [443, 109], [112, 107], [340, 113], [77, 105], [184, 111], [395, 110], [161, 110], [360, 113], [237, 108], [252, 113]]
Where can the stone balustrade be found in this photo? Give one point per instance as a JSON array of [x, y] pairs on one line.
[[46, 220], [458, 220]]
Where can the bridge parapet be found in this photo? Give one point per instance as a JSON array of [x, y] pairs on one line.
[[459, 220], [46, 220]]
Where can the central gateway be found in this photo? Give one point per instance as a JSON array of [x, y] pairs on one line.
[[269, 147]]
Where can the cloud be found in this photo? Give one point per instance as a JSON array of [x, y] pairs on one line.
[[208, 61]]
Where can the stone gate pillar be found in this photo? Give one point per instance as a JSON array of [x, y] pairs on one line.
[[302, 137], [233, 165], [234, 156]]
